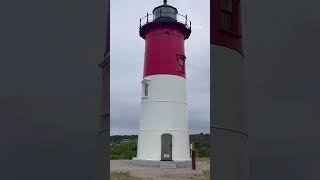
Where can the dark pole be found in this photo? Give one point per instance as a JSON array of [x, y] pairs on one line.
[[193, 160]]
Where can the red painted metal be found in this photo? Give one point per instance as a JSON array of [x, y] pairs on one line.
[[193, 160], [232, 40], [164, 45]]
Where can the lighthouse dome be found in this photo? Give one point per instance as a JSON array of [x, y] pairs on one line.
[[165, 12]]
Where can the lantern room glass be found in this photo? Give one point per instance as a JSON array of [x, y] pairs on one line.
[[165, 11]]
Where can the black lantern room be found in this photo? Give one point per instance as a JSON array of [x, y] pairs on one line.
[[165, 14]]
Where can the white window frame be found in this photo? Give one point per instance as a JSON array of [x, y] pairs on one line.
[[144, 83], [145, 89], [181, 64]]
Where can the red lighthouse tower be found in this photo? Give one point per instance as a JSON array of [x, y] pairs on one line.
[[163, 138], [164, 32]]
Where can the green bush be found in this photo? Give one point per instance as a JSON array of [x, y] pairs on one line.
[[201, 144], [203, 152], [124, 150]]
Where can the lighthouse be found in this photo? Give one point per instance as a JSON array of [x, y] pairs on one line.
[[163, 138], [229, 131]]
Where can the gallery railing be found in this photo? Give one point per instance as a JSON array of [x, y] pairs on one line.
[[172, 17]]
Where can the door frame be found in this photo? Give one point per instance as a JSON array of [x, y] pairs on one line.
[[162, 146]]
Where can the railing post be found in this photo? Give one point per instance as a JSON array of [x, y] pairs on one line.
[[140, 22], [147, 17], [186, 20]]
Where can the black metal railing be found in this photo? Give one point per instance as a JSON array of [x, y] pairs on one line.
[[183, 19]]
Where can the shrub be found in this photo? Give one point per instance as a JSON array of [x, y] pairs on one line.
[[124, 150]]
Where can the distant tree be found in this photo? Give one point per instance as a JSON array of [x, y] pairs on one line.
[[124, 150], [201, 144]]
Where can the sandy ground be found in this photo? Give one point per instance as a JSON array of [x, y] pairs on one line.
[[160, 174]]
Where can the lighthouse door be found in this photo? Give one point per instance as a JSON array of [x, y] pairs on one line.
[[166, 147]]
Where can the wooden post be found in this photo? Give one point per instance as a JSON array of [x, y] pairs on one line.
[[193, 160]]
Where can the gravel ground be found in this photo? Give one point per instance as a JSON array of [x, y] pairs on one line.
[[149, 173]]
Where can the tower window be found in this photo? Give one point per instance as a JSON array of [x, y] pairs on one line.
[[181, 64], [226, 15], [146, 90], [230, 16], [226, 21], [226, 5]]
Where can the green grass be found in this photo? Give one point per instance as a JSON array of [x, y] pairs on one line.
[[203, 159], [204, 176], [120, 175]]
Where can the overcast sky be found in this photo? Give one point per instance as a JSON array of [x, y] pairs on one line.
[[127, 58]]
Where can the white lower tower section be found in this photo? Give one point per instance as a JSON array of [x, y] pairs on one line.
[[163, 111], [228, 118]]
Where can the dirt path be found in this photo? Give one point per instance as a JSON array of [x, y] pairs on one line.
[[162, 174]]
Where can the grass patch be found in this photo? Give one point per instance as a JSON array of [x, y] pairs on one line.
[[120, 175], [202, 159], [206, 174]]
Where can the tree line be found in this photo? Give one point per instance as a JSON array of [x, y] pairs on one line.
[[125, 147]]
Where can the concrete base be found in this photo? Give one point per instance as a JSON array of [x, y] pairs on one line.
[[162, 164]]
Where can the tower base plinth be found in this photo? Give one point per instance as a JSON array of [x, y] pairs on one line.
[[162, 164]]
